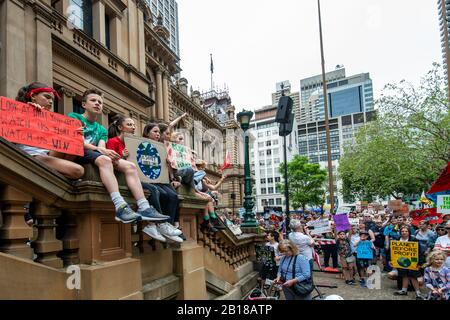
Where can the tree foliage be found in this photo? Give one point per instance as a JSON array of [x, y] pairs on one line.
[[403, 151], [305, 183]]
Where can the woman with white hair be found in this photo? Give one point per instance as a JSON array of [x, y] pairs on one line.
[[304, 242]]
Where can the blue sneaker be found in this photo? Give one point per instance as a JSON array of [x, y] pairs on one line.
[[126, 215], [362, 283], [151, 214]]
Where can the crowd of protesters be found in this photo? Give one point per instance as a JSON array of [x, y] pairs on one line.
[[366, 243]]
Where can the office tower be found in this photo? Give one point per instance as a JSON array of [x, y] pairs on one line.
[[168, 9]]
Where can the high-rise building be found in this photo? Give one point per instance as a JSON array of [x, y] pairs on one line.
[[309, 88], [284, 87], [346, 95], [312, 140], [266, 154], [168, 9], [444, 24]]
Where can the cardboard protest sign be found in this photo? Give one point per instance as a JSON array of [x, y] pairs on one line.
[[404, 254], [179, 156], [429, 215], [443, 204], [354, 221], [265, 255], [150, 158], [364, 250], [320, 226], [341, 222], [343, 210], [24, 124]]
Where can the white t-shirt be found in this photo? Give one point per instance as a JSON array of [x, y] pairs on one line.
[[303, 243], [275, 248], [33, 151], [444, 242]]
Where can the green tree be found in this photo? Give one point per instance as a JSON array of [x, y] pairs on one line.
[[403, 151], [305, 183]]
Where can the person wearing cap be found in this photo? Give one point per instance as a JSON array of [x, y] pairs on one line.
[[363, 258], [443, 244]]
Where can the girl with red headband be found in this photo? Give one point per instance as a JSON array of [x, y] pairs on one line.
[[41, 97]]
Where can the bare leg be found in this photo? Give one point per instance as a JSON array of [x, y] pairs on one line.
[[415, 283], [69, 169], [132, 178], [106, 169]]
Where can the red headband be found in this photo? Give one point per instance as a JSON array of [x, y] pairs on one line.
[[39, 90]]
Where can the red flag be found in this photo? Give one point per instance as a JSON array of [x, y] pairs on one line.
[[227, 161], [443, 182]]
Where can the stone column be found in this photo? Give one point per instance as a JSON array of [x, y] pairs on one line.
[[104, 119], [70, 242], [141, 43], [44, 55], [116, 35], [14, 233], [98, 22], [65, 105], [12, 52], [166, 96], [159, 95], [46, 246]]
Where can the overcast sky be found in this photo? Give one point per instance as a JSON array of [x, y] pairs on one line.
[[256, 43]]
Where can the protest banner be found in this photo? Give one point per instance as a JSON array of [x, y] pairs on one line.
[[443, 204], [354, 221], [429, 215], [343, 210], [179, 156], [395, 204], [320, 226], [341, 222], [24, 124], [441, 186], [364, 250], [404, 254], [150, 158]]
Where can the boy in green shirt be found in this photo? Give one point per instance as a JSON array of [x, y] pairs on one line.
[[95, 137]]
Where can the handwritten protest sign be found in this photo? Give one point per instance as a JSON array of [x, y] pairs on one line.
[[354, 221], [443, 203], [150, 158], [179, 156], [343, 210], [404, 254], [429, 215], [24, 124], [320, 226], [341, 222], [364, 250]]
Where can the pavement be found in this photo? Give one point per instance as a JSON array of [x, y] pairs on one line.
[[355, 292]]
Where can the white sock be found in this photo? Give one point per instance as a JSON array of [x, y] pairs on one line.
[[117, 199], [143, 204]]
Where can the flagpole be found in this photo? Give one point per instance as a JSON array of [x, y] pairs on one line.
[[212, 70]]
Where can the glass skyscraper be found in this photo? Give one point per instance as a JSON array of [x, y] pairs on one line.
[[168, 9], [444, 25]]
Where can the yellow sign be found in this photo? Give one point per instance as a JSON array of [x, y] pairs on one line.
[[404, 254]]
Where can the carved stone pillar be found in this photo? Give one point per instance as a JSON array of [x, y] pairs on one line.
[[116, 35], [159, 95], [70, 241], [104, 120], [166, 96], [98, 21], [44, 53], [46, 246], [14, 233], [65, 104]]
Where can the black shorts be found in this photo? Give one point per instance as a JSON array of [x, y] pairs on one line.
[[89, 157], [363, 263], [409, 273]]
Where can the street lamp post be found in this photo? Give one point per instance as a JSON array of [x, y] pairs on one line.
[[244, 118]]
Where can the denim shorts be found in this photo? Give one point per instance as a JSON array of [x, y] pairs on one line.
[[89, 157]]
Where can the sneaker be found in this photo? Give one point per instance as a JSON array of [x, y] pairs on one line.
[[150, 214], [153, 232], [169, 230], [420, 297], [400, 293], [165, 230], [362, 283], [216, 224], [126, 215], [182, 236]]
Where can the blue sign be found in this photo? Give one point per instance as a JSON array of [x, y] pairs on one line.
[[149, 161], [364, 250]]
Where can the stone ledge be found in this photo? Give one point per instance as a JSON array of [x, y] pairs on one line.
[[162, 289]]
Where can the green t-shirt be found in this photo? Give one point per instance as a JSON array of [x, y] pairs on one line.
[[93, 131]]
